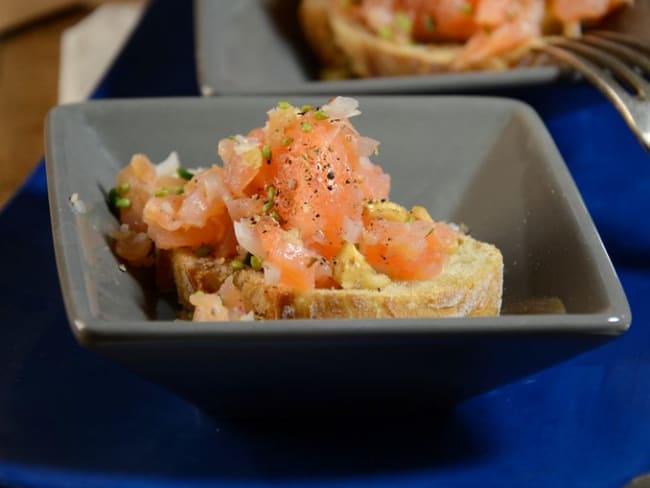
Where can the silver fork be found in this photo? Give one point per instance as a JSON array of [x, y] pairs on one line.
[[616, 64]]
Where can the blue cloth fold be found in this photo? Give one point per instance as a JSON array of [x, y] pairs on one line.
[[608, 164], [158, 59]]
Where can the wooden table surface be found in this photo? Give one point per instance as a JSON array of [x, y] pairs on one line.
[[29, 70], [29, 74]]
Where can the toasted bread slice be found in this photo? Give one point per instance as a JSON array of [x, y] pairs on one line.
[[470, 284], [343, 45]]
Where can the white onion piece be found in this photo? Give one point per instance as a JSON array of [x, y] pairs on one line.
[[351, 230], [370, 238], [319, 236], [271, 273], [140, 237], [225, 147], [247, 239], [198, 170], [419, 246], [169, 166], [323, 270], [245, 144], [193, 209], [118, 232], [366, 146], [365, 162], [214, 186], [378, 14], [247, 317], [331, 136], [293, 247], [341, 107], [79, 206], [174, 223], [167, 208]]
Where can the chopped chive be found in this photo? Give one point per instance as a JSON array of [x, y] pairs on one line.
[[275, 216], [271, 192], [268, 205], [256, 263], [429, 23], [410, 218], [287, 140], [305, 127], [163, 192], [122, 203], [430, 231], [320, 115], [385, 32], [284, 105], [237, 264], [306, 108], [466, 8], [203, 251], [112, 197], [403, 21], [232, 137], [183, 173], [123, 188], [266, 152], [180, 191]]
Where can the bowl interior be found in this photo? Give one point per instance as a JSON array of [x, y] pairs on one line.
[[485, 163]]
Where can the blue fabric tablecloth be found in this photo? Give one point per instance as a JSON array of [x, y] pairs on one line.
[[71, 419]]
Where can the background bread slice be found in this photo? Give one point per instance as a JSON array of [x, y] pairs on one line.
[[345, 45], [470, 284], [314, 19]]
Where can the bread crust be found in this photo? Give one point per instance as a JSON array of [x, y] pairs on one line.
[[314, 19], [470, 284]]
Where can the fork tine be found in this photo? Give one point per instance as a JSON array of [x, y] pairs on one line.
[[635, 116], [630, 55], [623, 38], [605, 82], [607, 61]]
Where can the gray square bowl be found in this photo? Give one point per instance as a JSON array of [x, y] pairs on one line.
[[488, 163], [256, 47]]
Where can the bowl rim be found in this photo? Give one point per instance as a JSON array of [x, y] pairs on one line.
[[614, 320], [212, 83]]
